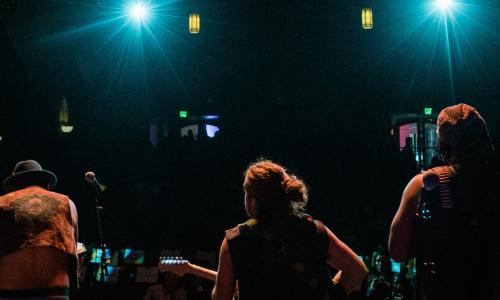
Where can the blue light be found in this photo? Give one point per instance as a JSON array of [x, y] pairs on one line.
[[210, 117], [396, 267], [138, 11], [211, 130], [443, 4]]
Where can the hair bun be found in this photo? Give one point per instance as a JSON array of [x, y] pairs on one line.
[[277, 193], [295, 189]]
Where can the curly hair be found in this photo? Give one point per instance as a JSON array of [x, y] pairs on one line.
[[276, 192]]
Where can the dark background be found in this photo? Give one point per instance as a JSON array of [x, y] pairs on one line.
[[299, 82]]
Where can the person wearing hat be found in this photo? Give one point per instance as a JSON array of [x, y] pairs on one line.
[[449, 216], [38, 234]]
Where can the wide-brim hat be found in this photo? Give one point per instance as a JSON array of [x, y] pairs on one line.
[[26, 172]]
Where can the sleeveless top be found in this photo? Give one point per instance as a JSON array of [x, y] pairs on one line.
[[35, 217], [457, 234], [281, 265]]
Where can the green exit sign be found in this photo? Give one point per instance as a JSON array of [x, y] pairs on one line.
[[183, 114], [428, 111]]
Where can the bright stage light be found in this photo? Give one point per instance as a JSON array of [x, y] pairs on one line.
[[443, 4], [138, 11]]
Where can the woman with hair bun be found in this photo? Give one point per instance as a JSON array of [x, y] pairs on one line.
[[281, 252]]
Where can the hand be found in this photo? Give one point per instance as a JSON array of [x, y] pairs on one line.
[[337, 278], [80, 248], [379, 282], [348, 289]]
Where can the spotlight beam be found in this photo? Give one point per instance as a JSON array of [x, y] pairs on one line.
[[138, 11], [443, 4]]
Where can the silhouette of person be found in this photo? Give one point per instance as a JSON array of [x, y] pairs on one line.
[[280, 252], [449, 216], [380, 277]]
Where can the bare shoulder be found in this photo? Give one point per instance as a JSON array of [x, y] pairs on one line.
[[415, 184], [401, 239], [410, 194], [224, 249]]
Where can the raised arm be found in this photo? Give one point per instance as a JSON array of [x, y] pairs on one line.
[[352, 269], [225, 283], [401, 238]]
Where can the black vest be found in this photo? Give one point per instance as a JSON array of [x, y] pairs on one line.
[[457, 234], [281, 265]]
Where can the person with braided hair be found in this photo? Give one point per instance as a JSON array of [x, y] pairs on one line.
[[281, 252]]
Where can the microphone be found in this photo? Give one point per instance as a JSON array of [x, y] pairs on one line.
[[90, 178]]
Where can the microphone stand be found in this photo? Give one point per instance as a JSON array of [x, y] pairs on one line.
[[105, 260]]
